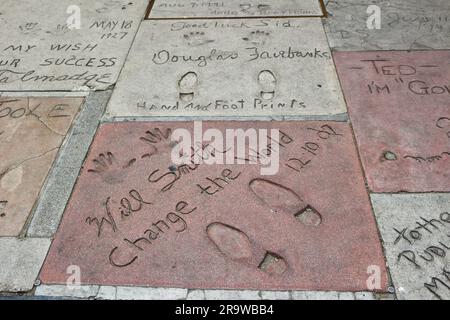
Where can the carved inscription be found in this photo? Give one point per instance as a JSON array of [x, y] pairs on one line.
[[64, 58]]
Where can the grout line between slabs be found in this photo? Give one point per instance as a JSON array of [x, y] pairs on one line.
[[43, 224]]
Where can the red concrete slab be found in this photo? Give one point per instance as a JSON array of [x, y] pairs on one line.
[[134, 218], [399, 105]]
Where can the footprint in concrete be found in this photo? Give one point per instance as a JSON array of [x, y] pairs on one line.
[[257, 37], [267, 82], [236, 245], [108, 168], [195, 39], [282, 199], [187, 86]]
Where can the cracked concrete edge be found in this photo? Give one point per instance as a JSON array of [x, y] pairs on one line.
[[146, 293], [343, 117], [60, 182]]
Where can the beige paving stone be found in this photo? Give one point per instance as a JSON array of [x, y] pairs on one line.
[[233, 8], [233, 68], [31, 132], [39, 49]]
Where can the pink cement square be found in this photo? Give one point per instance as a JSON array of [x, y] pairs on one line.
[[399, 106], [136, 219]]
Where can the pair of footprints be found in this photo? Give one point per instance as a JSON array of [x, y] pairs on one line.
[[237, 246], [189, 82]]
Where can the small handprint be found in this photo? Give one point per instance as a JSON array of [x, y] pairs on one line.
[[59, 30], [195, 39], [30, 28], [159, 141], [109, 169], [257, 37]]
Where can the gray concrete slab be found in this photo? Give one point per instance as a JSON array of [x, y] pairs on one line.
[[57, 190], [80, 292], [232, 68], [315, 295], [39, 51], [232, 295], [416, 232], [343, 117], [196, 295], [364, 296], [275, 295], [146, 293], [404, 25], [140, 293], [20, 262], [182, 9], [110, 292], [106, 293]]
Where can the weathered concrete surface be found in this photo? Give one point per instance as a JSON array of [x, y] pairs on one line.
[[66, 168], [196, 295], [39, 51], [80, 292], [182, 9], [20, 262], [416, 234], [399, 107], [140, 293], [275, 295], [297, 229], [405, 25], [133, 293], [229, 68], [31, 133], [332, 295], [111, 292], [232, 295], [143, 293]]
